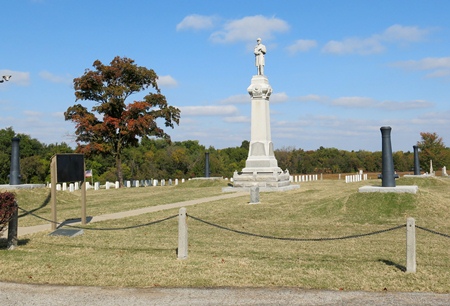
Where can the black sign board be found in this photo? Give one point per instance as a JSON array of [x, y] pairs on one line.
[[69, 168]]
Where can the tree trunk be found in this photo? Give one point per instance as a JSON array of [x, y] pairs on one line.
[[119, 170]]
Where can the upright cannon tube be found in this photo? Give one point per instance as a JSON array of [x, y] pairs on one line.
[[416, 160], [207, 164], [14, 174], [387, 173]]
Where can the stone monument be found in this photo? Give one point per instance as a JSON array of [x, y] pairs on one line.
[[261, 168]]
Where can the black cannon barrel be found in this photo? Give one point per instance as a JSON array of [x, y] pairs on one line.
[[416, 160], [387, 170], [206, 164], [14, 174]]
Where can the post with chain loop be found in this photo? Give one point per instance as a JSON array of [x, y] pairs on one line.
[[410, 245], [182, 234]]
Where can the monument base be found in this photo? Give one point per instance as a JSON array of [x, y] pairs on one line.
[[267, 179], [398, 189], [22, 186], [261, 189]]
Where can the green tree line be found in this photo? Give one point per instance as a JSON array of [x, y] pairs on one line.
[[158, 158]]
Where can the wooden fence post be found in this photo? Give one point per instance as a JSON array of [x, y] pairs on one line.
[[410, 245], [182, 234]]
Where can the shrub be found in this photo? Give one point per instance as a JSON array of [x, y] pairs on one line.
[[7, 208]]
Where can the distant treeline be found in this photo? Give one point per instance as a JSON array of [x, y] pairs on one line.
[[156, 158]]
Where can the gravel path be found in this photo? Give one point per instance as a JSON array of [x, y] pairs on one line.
[[30, 295]]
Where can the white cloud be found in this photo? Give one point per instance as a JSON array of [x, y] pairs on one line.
[[236, 99], [434, 121], [167, 81], [399, 33], [237, 119], [438, 66], [279, 97], [358, 102], [58, 115], [440, 73], [55, 78], [17, 77], [249, 28], [312, 97], [30, 113], [196, 22], [246, 99], [354, 45], [374, 44], [225, 110], [301, 45], [416, 104], [364, 102], [428, 63]]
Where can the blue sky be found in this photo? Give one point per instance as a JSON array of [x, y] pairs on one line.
[[339, 69]]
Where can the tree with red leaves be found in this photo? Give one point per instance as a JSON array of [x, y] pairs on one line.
[[7, 208], [112, 125]]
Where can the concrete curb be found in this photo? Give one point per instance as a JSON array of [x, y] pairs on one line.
[[49, 295]]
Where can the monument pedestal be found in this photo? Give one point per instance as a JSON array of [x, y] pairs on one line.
[[261, 168]]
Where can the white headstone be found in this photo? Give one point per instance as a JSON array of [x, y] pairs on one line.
[[254, 195]]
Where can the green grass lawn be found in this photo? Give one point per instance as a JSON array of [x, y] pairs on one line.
[[146, 257]]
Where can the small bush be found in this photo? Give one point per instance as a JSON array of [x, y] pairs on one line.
[[7, 208]]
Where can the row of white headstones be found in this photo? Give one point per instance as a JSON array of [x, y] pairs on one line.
[[110, 185], [146, 183]]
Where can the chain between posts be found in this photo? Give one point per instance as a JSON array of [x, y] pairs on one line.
[[99, 229], [432, 231], [297, 239], [237, 231]]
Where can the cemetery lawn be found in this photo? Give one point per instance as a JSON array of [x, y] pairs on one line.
[[146, 256]]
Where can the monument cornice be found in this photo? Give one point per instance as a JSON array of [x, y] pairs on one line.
[[260, 87]]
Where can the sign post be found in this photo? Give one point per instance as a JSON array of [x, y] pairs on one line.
[[67, 168]]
